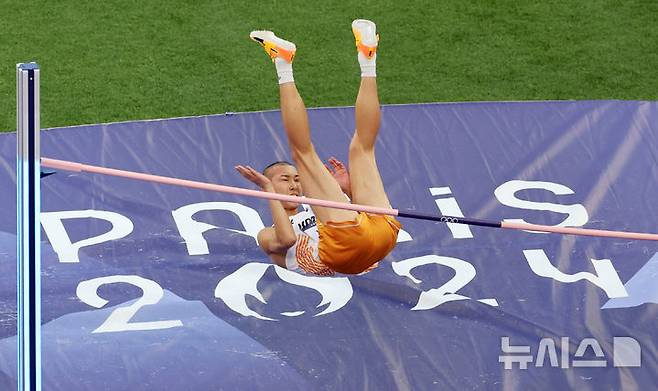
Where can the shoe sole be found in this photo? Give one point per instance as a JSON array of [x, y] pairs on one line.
[[359, 26], [274, 46]]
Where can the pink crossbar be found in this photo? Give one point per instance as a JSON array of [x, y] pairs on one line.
[[78, 167], [579, 231]]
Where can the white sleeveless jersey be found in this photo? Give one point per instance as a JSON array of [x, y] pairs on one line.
[[303, 255]]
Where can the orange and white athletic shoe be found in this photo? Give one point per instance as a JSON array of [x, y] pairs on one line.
[[367, 39], [274, 46]]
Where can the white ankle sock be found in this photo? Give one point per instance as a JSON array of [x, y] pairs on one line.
[[368, 66], [283, 70]]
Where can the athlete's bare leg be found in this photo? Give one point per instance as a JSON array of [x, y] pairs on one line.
[[366, 182], [316, 180]]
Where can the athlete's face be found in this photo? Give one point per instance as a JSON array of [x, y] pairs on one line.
[[285, 180]]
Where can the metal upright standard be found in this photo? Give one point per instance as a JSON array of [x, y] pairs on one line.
[[28, 227]]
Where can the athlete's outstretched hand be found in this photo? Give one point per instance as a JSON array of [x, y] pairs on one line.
[[340, 174], [255, 177]]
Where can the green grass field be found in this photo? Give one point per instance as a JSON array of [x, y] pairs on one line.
[[118, 60]]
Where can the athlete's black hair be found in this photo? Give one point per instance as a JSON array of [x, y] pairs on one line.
[[277, 163]]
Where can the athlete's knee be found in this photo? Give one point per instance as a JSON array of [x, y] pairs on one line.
[[358, 146], [305, 157], [302, 153]]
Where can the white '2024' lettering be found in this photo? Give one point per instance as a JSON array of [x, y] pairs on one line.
[[119, 319]]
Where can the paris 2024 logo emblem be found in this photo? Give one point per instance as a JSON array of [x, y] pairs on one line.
[[235, 288]]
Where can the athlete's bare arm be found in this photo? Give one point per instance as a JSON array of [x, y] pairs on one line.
[[340, 174], [272, 240], [271, 245]]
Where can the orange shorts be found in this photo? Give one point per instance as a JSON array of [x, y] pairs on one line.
[[351, 247]]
